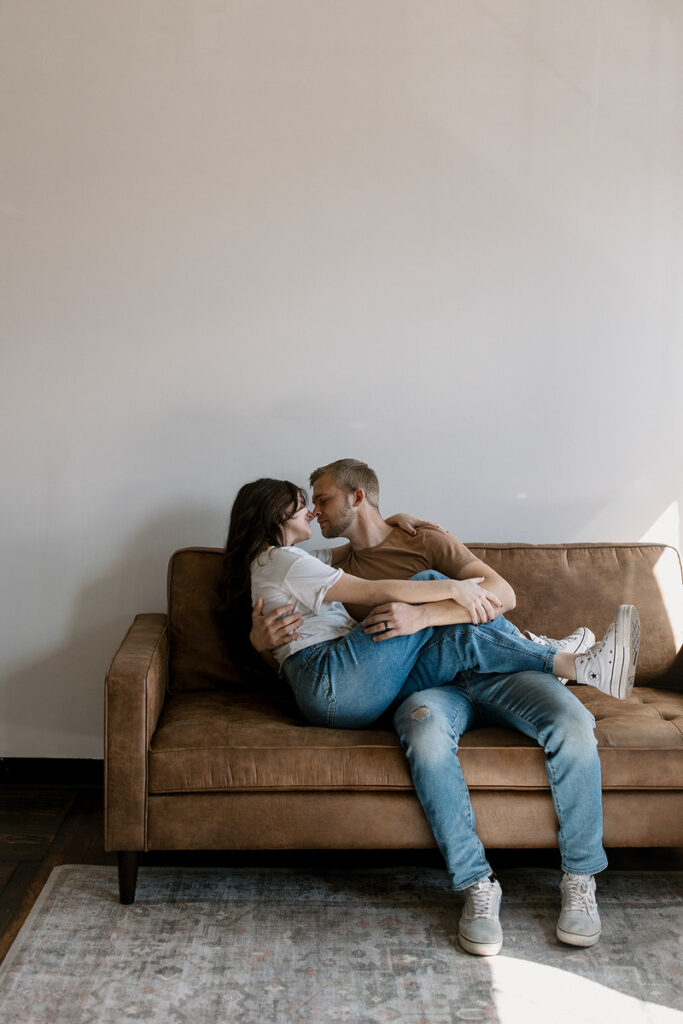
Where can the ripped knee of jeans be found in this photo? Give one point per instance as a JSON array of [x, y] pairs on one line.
[[419, 713]]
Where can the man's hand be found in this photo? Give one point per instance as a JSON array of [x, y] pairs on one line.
[[275, 629], [482, 604], [401, 620], [410, 523]]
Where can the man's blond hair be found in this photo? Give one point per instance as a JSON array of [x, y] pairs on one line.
[[351, 475]]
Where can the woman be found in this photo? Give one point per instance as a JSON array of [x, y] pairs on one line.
[[339, 676]]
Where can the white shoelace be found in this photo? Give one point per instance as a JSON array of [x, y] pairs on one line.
[[483, 900], [580, 895]]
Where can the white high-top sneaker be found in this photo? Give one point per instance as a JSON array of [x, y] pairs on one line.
[[479, 929], [610, 665], [579, 921], [576, 643]]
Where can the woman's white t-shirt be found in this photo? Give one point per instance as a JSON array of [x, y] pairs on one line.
[[288, 575]]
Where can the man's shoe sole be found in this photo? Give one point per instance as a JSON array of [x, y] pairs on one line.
[[578, 940], [626, 644], [481, 948]]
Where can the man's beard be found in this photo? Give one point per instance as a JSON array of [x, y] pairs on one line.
[[341, 523]]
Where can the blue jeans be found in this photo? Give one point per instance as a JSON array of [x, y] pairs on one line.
[[502, 679], [430, 724], [349, 682]]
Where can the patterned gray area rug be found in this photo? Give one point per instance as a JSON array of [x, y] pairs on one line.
[[371, 946]]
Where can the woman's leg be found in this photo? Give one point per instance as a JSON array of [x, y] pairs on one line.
[[348, 683], [489, 648]]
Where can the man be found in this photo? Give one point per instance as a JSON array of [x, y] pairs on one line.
[[430, 722]]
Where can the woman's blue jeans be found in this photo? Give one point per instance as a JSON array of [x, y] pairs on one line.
[[441, 682]]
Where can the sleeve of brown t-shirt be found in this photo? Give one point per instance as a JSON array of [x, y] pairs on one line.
[[339, 555], [445, 553]]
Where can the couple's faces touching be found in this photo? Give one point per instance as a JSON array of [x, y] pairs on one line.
[[298, 526], [332, 508]]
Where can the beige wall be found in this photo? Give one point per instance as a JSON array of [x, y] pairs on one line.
[[242, 238]]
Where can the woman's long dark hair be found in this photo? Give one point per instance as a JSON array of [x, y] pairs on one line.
[[258, 514]]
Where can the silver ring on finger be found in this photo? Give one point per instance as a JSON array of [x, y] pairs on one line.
[[387, 627]]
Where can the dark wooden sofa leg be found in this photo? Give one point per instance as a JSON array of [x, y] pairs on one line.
[[128, 874]]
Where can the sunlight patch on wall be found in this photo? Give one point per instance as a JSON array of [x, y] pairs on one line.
[[667, 574], [666, 529], [667, 570]]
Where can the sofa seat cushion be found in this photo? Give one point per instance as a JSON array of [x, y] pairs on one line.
[[215, 741]]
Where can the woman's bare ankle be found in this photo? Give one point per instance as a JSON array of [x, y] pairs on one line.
[[564, 665]]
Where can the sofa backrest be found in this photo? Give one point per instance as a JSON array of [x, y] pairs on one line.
[[558, 587]]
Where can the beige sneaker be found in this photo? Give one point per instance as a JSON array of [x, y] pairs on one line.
[[579, 923], [479, 929]]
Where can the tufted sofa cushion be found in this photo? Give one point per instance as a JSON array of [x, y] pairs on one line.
[[215, 741]]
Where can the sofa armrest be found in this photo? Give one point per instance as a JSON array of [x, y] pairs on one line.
[[135, 688]]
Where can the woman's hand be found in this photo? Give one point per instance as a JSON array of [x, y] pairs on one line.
[[410, 523], [482, 604]]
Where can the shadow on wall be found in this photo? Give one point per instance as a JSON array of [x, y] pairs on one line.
[[57, 699]]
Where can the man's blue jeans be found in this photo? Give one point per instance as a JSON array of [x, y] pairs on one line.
[[430, 723], [502, 679]]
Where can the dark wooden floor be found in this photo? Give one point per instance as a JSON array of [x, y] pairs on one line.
[[41, 828]]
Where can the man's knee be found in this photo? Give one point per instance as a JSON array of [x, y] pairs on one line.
[[423, 728], [414, 708], [577, 716], [574, 729]]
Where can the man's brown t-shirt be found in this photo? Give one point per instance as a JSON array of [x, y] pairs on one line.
[[401, 556]]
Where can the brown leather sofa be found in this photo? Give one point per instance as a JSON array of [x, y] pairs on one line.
[[199, 756]]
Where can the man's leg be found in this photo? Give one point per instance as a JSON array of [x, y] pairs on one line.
[[564, 728], [429, 725], [541, 708]]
